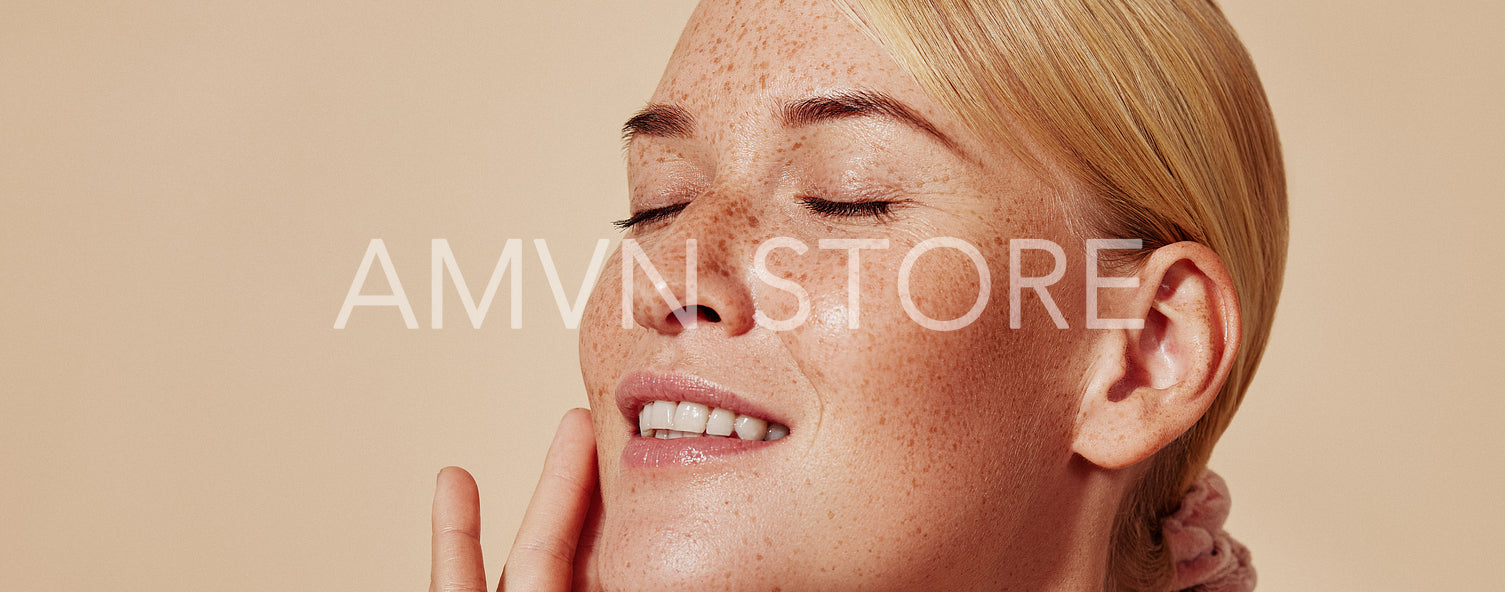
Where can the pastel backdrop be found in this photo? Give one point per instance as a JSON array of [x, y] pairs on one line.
[[187, 189]]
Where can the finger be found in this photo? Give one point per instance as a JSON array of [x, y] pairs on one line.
[[542, 558], [585, 551], [457, 565]]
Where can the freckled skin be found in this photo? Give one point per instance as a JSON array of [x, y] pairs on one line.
[[918, 459]]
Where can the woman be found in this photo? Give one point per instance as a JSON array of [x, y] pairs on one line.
[[880, 419]]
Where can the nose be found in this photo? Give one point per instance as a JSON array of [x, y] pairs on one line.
[[680, 282]]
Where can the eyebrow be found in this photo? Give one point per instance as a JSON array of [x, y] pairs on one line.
[[672, 121], [860, 103], [666, 121]]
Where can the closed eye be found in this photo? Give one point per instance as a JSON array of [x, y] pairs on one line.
[[877, 209], [649, 216]]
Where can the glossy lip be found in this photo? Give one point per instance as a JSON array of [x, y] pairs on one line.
[[640, 388]]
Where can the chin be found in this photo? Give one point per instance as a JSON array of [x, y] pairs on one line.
[[690, 541]]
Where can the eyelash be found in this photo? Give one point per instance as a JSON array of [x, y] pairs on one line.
[[876, 209], [647, 216]]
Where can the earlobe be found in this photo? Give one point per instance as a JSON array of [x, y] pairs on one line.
[[1149, 385]]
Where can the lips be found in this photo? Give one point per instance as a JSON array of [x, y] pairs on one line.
[[686, 420]]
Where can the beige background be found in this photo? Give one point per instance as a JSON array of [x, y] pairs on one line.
[[186, 191]]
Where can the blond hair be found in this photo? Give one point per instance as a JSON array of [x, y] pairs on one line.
[[1155, 107]]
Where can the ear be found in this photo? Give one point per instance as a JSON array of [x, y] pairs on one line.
[[1147, 386]]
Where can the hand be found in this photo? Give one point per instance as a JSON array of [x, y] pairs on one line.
[[557, 538]]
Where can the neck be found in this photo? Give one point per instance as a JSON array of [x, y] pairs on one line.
[[1065, 544]]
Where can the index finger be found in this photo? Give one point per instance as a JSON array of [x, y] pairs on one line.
[[543, 554]]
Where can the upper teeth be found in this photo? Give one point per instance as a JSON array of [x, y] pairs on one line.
[[668, 419]]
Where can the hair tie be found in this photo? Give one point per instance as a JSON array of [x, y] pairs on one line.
[[1207, 558]]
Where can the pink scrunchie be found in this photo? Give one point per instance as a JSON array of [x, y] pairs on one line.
[[1207, 559]]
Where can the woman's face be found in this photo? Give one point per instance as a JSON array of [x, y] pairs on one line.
[[916, 458]]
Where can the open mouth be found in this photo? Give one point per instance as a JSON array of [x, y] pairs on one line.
[[667, 420], [684, 420]]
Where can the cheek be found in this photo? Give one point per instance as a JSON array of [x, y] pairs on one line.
[[602, 338], [985, 369], [936, 427]]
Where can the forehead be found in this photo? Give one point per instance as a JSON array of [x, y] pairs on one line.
[[738, 62], [741, 54]]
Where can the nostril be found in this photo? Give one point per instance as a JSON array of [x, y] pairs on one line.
[[699, 313]]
